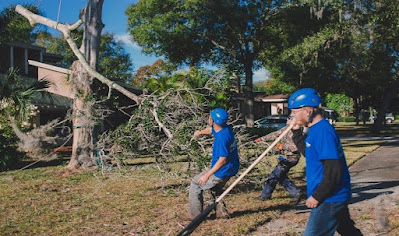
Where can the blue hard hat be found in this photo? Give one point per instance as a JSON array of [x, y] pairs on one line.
[[219, 116], [306, 97]]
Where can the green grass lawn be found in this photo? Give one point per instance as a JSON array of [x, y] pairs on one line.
[[140, 200]]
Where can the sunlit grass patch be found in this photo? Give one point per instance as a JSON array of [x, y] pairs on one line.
[[354, 150]]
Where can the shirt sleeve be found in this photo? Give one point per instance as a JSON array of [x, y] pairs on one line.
[[299, 140], [331, 177]]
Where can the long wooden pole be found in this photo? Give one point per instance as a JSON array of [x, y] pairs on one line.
[[201, 217], [253, 164]]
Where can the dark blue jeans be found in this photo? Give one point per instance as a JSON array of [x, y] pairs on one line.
[[279, 175], [329, 217]]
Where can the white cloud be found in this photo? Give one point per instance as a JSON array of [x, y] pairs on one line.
[[125, 38], [260, 75]]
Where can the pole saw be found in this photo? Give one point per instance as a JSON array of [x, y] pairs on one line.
[[201, 217]]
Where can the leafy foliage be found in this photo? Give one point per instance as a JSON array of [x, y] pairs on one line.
[[161, 77], [16, 94], [15, 105], [16, 28], [156, 71], [8, 148], [182, 108], [348, 47], [224, 33], [276, 86], [340, 103]]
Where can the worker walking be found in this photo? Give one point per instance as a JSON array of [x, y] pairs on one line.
[[327, 174], [289, 157]]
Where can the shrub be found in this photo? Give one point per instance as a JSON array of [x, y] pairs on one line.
[[9, 155]]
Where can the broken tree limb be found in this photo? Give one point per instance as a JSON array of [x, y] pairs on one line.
[[66, 30], [162, 126]]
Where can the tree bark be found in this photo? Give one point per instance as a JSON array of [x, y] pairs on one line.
[[248, 95], [82, 145], [83, 125], [93, 26], [357, 110]]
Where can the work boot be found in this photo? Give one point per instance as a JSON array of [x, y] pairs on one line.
[[185, 217], [221, 212], [260, 198], [296, 198]]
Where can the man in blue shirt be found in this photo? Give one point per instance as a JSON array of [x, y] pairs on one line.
[[225, 164], [327, 174]]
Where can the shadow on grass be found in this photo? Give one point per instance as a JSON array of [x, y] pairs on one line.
[[39, 164], [358, 145], [254, 227]]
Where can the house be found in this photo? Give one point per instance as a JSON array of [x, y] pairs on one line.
[[58, 100], [61, 91], [48, 106], [34, 63], [17, 55], [266, 105]]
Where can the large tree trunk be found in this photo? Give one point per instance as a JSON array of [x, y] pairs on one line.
[[92, 31], [248, 96], [82, 145], [357, 109], [386, 102], [82, 148]]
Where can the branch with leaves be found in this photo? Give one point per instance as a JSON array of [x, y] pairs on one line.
[[66, 31]]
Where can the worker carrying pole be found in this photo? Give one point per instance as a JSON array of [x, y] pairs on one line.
[[201, 217]]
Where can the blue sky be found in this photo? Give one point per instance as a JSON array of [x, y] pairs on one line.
[[114, 19]]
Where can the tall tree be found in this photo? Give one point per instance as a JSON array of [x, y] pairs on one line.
[[16, 28], [221, 32], [82, 151], [352, 51], [384, 43], [82, 147]]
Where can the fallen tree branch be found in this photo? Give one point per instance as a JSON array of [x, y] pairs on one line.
[[66, 30], [160, 124]]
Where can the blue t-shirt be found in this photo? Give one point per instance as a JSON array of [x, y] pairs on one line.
[[322, 143], [225, 145]]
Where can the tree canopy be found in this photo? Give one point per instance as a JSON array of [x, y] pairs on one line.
[[16, 28], [352, 49], [230, 33]]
